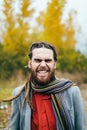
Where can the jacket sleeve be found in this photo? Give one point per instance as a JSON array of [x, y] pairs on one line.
[[15, 115], [80, 123]]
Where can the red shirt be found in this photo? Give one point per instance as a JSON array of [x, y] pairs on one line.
[[43, 117]]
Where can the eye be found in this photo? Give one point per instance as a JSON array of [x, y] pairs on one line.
[[37, 60], [48, 60]]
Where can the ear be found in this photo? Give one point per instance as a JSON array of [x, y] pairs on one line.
[[55, 65], [29, 64]]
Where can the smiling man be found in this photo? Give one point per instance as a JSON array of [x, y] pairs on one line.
[[45, 102], [42, 65]]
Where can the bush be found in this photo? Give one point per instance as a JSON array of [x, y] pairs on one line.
[[72, 61]]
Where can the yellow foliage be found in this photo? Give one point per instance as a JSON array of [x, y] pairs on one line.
[[16, 37], [61, 35]]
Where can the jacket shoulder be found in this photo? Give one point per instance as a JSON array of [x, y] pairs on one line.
[[18, 89], [74, 90]]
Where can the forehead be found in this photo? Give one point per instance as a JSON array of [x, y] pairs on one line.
[[42, 53]]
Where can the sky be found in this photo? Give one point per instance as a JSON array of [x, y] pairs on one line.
[[81, 19]]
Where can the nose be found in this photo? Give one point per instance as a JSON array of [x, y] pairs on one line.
[[43, 63]]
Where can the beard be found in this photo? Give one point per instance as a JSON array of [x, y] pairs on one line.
[[36, 80]]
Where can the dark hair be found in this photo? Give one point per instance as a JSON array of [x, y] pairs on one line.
[[40, 45]]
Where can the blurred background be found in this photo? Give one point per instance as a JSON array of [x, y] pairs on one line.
[[59, 22]]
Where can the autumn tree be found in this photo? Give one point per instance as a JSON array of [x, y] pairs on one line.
[[60, 33], [53, 30], [15, 36]]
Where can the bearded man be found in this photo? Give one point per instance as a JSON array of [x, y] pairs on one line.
[[46, 102]]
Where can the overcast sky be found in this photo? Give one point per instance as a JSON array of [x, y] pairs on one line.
[[81, 7]]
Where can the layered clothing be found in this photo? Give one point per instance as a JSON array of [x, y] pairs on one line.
[[66, 102]]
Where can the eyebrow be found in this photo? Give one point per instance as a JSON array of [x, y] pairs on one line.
[[46, 60]]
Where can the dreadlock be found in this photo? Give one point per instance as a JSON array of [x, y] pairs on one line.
[[27, 87]]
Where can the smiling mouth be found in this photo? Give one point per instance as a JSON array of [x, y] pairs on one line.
[[42, 72]]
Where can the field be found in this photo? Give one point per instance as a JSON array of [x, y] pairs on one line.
[[7, 86]]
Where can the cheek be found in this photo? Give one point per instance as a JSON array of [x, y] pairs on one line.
[[52, 66], [33, 67]]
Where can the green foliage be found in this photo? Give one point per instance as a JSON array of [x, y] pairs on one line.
[[11, 63], [72, 61]]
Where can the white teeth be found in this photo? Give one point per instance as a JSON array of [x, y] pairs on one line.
[[42, 71]]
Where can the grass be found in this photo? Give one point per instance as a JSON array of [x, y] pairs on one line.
[[7, 86]]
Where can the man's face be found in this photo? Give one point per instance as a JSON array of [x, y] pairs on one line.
[[42, 65]]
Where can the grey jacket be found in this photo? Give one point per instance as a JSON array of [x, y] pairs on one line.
[[21, 117]]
